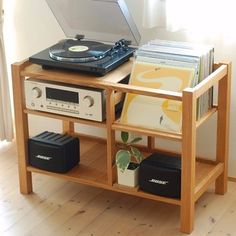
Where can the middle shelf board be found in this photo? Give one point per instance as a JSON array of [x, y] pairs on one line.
[[66, 118], [119, 126], [148, 132]]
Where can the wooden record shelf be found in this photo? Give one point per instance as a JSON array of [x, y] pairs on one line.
[[99, 170]]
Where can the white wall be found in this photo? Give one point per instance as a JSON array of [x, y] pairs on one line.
[[31, 27]]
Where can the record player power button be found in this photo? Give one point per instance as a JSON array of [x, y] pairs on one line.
[[89, 101]]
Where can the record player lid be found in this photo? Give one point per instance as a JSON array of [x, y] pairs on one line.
[[100, 20]]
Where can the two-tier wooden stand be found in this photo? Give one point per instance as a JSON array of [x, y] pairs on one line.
[[97, 167]]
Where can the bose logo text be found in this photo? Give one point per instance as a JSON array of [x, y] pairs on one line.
[[157, 181], [44, 157]]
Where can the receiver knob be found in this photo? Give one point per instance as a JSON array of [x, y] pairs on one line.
[[36, 92], [89, 101]]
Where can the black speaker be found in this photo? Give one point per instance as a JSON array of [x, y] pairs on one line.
[[161, 175], [54, 152]]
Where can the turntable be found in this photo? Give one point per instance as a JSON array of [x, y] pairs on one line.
[[99, 34]]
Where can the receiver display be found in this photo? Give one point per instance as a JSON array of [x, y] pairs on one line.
[[62, 95]]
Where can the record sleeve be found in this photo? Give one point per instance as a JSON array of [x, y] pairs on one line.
[[153, 112]]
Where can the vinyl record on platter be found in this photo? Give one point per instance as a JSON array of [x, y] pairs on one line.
[[79, 51]]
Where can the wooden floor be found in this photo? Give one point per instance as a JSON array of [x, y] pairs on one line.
[[59, 208]]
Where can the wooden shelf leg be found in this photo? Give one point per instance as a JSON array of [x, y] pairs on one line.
[[22, 133], [67, 127], [223, 130], [151, 143], [188, 162], [110, 117]]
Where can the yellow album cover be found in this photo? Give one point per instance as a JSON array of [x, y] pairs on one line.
[[152, 112]]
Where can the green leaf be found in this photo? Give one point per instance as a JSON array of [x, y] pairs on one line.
[[123, 158], [136, 154], [124, 136], [135, 140]]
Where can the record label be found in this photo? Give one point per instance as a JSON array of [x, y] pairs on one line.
[[78, 48]]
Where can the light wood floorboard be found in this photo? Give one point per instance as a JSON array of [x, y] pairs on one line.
[[62, 208]]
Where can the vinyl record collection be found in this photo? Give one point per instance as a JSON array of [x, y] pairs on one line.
[[171, 66]]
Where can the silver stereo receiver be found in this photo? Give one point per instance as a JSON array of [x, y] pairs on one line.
[[70, 100]]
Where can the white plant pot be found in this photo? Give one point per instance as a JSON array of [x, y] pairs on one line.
[[128, 177]]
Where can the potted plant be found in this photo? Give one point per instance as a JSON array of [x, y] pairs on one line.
[[127, 161]]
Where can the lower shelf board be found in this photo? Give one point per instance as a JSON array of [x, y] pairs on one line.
[[139, 193], [101, 183], [206, 174], [81, 174], [92, 171]]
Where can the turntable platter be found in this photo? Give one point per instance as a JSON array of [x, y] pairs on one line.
[[79, 51]]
